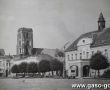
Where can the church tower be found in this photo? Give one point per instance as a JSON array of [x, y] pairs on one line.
[[24, 41], [101, 22]]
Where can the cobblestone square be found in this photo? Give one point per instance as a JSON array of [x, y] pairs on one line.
[[48, 84]]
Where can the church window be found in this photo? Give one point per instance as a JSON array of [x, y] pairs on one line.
[[20, 50], [19, 43]]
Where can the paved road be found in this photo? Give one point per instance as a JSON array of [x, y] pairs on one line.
[[47, 84]]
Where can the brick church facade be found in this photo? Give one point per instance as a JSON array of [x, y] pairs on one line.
[[24, 41]]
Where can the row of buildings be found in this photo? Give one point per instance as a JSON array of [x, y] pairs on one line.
[[5, 64], [77, 55], [25, 52]]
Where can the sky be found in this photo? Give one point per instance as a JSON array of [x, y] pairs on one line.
[[54, 22]]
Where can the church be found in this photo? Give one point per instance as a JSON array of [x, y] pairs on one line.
[[25, 51], [77, 55]]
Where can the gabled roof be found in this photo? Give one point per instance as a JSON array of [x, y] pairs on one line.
[[73, 46], [100, 38]]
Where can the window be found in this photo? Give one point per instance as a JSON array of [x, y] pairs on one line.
[[87, 53], [80, 55], [23, 50], [26, 35], [20, 50], [7, 64], [72, 71], [71, 56], [83, 41], [19, 43], [76, 56]]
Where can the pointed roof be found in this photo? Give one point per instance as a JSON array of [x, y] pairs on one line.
[[101, 17]]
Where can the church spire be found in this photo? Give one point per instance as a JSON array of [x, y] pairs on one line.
[[101, 22]]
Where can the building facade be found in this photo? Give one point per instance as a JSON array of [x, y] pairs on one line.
[[5, 64], [77, 55], [24, 41]]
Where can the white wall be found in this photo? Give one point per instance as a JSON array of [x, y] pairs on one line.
[[83, 47]]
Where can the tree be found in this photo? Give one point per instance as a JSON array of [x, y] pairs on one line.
[[44, 66], [98, 62], [59, 53], [53, 65], [32, 67], [56, 65], [15, 69], [106, 74], [23, 68], [59, 67]]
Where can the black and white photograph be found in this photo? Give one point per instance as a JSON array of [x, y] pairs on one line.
[[54, 44]]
